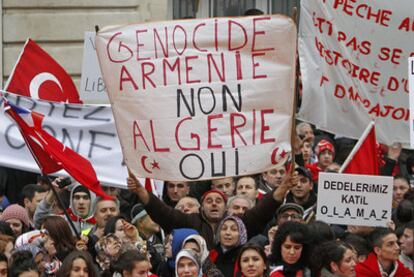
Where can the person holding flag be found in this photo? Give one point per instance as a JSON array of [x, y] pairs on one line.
[[50, 154]]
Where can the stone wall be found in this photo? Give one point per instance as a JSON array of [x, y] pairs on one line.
[[58, 26]]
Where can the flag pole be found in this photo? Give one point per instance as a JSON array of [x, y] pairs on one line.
[[293, 125], [62, 206], [357, 146]]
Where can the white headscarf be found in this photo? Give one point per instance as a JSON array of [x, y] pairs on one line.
[[188, 253], [201, 244]]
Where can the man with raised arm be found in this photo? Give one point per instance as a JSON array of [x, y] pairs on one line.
[[213, 209]]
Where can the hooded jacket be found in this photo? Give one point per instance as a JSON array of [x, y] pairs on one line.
[[82, 223]]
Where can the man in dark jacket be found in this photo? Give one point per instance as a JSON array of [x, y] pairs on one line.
[[303, 194], [213, 208]]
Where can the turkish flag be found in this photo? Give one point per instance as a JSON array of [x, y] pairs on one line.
[[37, 75], [364, 158], [49, 153]]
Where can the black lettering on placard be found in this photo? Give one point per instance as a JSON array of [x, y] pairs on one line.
[[68, 108], [8, 137], [52, 108], [373, 214], [207, 100], [25, 101], [412, 67], [186, 174], [202, 102], [347, 212], [223, 165], [360, 212], [384, 189], [93, 115], [67, 137], [238, 106], [93, 143], [384, 214], [190, 108]]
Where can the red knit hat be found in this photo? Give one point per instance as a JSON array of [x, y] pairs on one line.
[[16, 211], [214, 191], [324, 145]]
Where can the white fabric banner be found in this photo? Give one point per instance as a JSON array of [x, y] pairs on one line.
[[353, 58], [201, 99], [87, 129]]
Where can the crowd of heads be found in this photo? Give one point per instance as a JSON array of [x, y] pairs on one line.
[[209, 228]]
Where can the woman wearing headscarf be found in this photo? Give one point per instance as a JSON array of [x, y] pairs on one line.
[[188, 264], [231, 236], [173, 246], [198, 244]]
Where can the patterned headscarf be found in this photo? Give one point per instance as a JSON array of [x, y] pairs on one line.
[[240, 225]]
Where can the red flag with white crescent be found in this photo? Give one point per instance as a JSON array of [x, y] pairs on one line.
[[37, 75]]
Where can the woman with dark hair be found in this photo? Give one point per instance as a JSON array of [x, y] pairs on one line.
[[60, 235], [78, 264], [132, 264], [252, 261], [23, 264], [333, 259], [289, 250], [231, 235]]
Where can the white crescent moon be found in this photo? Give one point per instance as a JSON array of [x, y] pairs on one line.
[[38, 80]]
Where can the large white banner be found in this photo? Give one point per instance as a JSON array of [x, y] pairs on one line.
[[87, 129], [353, 58], [201, 99], [350, 199]]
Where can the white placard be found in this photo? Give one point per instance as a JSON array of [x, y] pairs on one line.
[[92, 87], [353, 60], [411, 88], [86, 129], [203, 98], [350, 199]]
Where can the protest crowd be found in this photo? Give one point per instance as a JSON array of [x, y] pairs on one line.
[[257, 225]]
